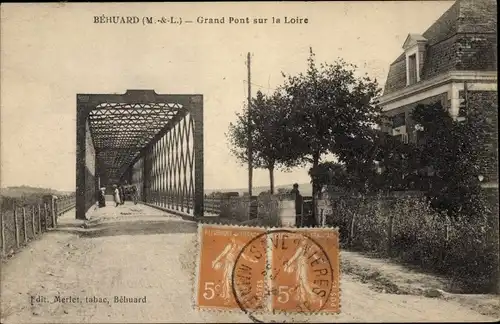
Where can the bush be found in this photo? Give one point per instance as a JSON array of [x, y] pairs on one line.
[[268, 210], [470, 254], [460, 248], [370, 227], [418, 233]]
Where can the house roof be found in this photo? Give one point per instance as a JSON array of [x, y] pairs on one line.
[[445, 39]]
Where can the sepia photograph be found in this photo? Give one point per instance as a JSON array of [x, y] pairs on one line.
[[249, 162]]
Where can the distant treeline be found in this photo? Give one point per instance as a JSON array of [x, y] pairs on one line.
[[8, 203], [25, 195]]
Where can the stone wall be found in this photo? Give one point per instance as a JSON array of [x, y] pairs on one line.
[[262, 210]]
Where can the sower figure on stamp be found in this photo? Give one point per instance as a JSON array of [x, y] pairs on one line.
[[226, 260], [298, 263]]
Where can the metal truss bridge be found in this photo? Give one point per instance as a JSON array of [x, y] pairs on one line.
[[153, 141]]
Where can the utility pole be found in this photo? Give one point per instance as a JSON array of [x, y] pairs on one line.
[[249, 144]]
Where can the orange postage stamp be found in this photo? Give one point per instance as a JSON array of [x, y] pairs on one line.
[[305, 270], [230, 276]]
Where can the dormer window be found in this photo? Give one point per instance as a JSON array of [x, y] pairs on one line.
[[412, 69], [414, 47]]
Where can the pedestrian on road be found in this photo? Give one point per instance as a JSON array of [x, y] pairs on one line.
[[134, 193], [295, 191], [116, 195], [126, 191], [102, 198], [299, 218], [122, 194]]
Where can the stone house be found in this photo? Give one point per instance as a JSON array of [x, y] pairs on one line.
[[455, 62]]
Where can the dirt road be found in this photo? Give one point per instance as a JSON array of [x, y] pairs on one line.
[[137, 251]]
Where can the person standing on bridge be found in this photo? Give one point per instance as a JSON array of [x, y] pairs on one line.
[[134, 193], [116, 195], [122, 193], [102, 198]]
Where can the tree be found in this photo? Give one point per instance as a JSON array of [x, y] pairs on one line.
[[399, 163], [457, 153], [331, 109], [382, 163], [271, 135], [333, 175]]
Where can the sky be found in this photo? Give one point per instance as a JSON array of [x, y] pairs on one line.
[[51, 52]]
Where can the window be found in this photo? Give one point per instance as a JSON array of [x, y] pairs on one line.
[[412, 69], [403, 138], [399, 120], [463, 104]]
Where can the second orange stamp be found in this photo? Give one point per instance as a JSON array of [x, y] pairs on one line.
[[305, 270]]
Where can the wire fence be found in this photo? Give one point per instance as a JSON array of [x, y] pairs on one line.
[[24, 222]]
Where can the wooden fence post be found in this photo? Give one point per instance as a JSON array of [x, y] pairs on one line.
[[39, 219], [16, 227], [3, 232], [351, 231], [53, 211], [24, 226], [45, 216], [33, 220], [57, 207], [447, 229]]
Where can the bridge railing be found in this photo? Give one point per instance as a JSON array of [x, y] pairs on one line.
[[64, 204], [23, 220]]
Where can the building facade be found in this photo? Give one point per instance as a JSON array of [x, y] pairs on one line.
[[454, 62]]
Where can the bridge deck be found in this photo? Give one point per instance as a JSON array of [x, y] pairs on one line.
[[125, 211]]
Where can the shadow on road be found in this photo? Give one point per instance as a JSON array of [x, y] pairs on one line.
[[136, 227]]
